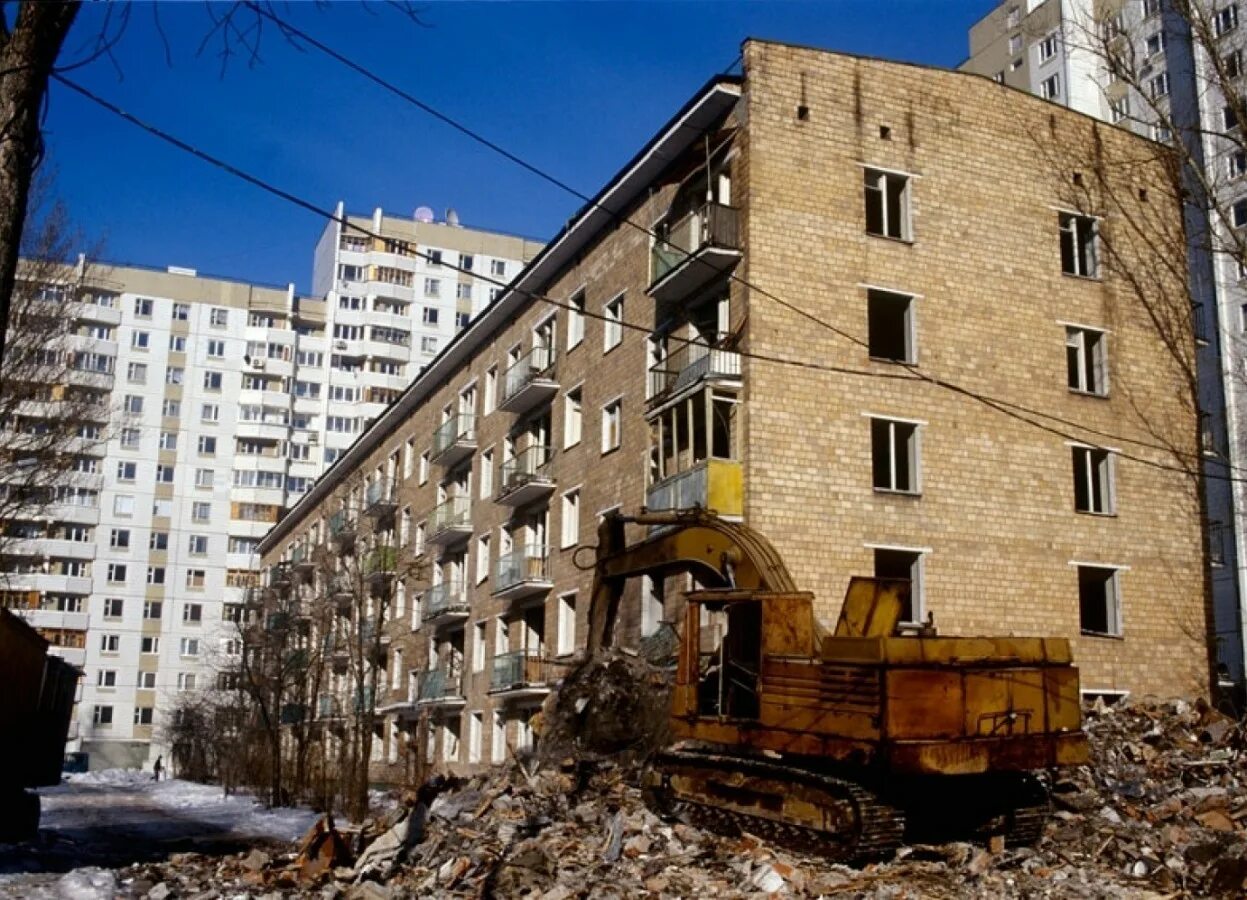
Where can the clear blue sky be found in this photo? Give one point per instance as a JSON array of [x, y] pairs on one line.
[[575, 88]]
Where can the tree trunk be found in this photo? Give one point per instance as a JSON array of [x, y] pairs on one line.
[[27, 54]]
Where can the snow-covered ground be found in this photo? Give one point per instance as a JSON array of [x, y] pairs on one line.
[[118, 816]]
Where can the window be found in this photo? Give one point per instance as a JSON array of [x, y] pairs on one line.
[[155, 574], [1232, 63], [140, 340], [136, 373], [1236, 164], [142, 715], [143, 307], [117, 573], [487, 474], [175, 375], [1093, 481], [417, 540], [1078, 245], [576, 320], [130, 438], [653, 605], [1119, 109], [612, 325], [497, 268], [195, 578], [489, 393], [567, 624], [887, 204], [186, 681], [1050, 87], [1015, 44], [1099, 600], [466, 262], [123, 505], [201, 512], [147, 680], [181, 312], [429, 316], [207, 445], [149, 644], [120, 538], [133, 404], [894, 455], [212, 381], [1223, 20], [106, 678], [171, 409], [102, 715], [890, 326], [198, 544], [216, 349], [907, 565], [164, 474], [218, 317], [428, 344], [158, 541], [153, 609], [188, 646], [1158, 86], [572, 417], [1238, 214], [1086, 352], [612, 425], [113, 607], [1154, 45], [192, 612], [571, 519], [423, 474], [110, 643], [1047, 48], [432, 287], [482, 558]]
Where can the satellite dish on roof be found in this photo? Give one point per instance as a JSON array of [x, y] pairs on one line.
[[424, 214], [452, 217]]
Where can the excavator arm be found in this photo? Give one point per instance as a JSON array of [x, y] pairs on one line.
[[720, 554]]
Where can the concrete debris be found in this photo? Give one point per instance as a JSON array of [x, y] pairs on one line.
[[1162, 813]]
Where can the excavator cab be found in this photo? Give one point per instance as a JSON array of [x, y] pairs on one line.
[[728, 636]]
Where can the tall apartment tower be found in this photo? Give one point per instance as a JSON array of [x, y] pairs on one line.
[[228, 400], [835, 240], [1056, 50]]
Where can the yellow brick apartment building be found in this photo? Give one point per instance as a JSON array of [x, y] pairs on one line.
[[849, 277]]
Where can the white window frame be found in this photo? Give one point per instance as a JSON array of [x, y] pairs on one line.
[[1076, 340], [566, 624], [617, 403], [569, 518], [915, 454], [1089, 465], [876, 182], [573, 435], [917, 585], [612, 323], [1116, 628]]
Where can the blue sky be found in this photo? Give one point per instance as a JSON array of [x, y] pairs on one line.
[[575, 88]]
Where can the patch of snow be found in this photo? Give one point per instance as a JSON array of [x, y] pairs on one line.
[[87, 884], [109, 776]]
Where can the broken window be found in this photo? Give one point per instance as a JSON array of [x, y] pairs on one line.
[[1086, 355], [887, 204], [1099, 600], [1078, 245], [685, 434], [1093, 481], [905, 565], [894, 455], [890, 326]]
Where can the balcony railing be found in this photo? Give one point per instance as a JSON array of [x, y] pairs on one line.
[[451, 520], [523, 571], [440, 686], [702, 244], [519, 670], [525, 477], [688, 365], [342, 526], [301, 558], [454, 438], [529, 380], [379, 497], [445, 601], [715, 484], [380, 562]]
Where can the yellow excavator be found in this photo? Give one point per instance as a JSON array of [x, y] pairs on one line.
[[848, 742]]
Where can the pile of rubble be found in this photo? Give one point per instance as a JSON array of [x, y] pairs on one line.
[[1162, 813]]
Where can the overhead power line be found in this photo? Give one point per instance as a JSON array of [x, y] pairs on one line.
[[906, 373]]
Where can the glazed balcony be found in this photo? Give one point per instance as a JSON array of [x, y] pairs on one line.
[[714, 484], [379, 498], [301, 560], [342, 528], [526, 477], [454, 440], [699, 247], [519, 674], [439, 687], [529, 381], [380, 564], [523, 572], [445, 602], [689, 365], [451, 521]]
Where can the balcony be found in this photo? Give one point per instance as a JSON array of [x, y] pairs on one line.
[[691, 364], [342, 528], [379, 498], [439, 687], [445, 602], [529, 381], [301, 560], [526, 477], [259, 430], [342, 592], [454, 440], [94, 312], [520, 674], [523, 572], [54, 618], [714, 484], [698, 248], [327, 708], [451, 521], [379, 564]]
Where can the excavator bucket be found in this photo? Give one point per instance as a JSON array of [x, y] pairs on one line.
[[872, 607]]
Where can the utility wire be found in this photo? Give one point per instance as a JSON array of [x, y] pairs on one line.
[[999, 406], [291, 32]]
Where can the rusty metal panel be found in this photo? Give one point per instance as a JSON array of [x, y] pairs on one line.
[[924, 703], [974, 651], [788, 625], [872, 607], [1005, 703], [1063, 699]]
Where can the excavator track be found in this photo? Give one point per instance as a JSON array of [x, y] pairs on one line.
[[798, 808]]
